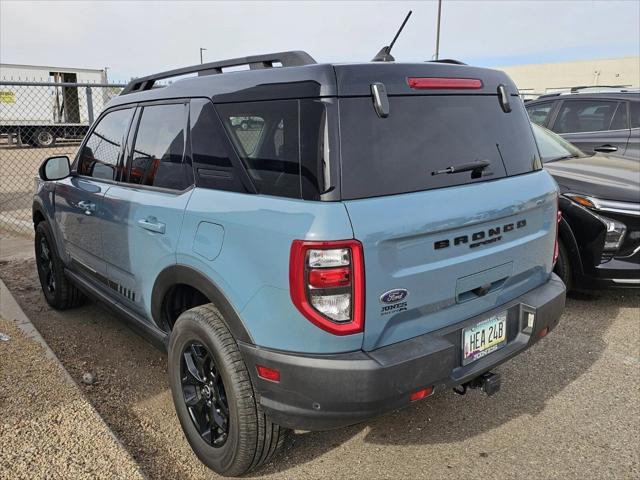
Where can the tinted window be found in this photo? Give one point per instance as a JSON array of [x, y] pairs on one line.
[[100, 155], [425, 134], [159, 148], [584, 116], [210, 152], [634, 111], [540, 113], [619, 120], [265, 135]]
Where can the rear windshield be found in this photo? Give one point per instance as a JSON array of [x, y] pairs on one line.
[[425, 134]]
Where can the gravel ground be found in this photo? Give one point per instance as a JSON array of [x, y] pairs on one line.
[[569, 407], [48, 429]]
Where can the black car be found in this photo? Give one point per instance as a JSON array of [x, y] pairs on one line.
[[593, 122], [599, 237]]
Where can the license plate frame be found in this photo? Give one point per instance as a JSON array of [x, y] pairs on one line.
[[490, 336]]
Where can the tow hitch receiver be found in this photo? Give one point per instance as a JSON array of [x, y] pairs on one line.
[[488, 382]]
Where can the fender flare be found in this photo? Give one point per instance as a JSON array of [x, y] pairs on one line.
[[185, 275], [568, 238]]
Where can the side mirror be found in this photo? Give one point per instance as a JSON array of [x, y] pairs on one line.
[[55, 168]]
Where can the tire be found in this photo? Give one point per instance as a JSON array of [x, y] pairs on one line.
[[43, 138], [59, 292], [563, 266], [251, 439]]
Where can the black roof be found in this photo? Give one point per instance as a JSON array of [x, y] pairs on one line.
[[302, 78]]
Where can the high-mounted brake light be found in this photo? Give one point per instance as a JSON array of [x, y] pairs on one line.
[[326, 280], [442, 83]]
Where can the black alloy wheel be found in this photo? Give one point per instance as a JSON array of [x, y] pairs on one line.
[[204, 394], [46, 266]]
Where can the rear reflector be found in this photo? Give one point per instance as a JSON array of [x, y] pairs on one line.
[[441, 83], [543, 332], [420, 394], [267, 373]]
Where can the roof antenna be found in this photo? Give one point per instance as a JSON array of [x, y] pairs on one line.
[[384, 55]]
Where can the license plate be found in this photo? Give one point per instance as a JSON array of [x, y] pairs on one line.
[[484, 338]]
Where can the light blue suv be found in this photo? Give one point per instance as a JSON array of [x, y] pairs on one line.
[[314, 244]]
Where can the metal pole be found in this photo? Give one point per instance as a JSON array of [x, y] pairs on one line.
[[438, 30], [89, 105], [201, 49]]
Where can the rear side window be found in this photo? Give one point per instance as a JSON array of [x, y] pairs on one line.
[[158, 151], [619, 120], [210, 151], [634, 110], [265, 135], [100, 154], [425, 134], [584, 116], [539, 113]]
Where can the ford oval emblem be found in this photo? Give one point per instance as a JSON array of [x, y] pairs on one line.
[[393, 296]]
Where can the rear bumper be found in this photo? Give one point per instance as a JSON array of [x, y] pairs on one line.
[[319, 392]]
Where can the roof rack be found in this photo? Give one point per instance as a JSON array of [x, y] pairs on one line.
[[448, 60], [583, 87], [255, 62]]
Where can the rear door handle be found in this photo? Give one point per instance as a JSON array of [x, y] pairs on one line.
[[606, 148], [88, 207], [152, 224]]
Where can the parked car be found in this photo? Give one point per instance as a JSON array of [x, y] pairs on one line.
[[600, 203], [594, 122], [329, 269]]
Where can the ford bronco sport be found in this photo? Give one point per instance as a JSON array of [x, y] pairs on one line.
[[383, 231]]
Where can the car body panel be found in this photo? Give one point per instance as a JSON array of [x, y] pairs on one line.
[[252, 266], [400, 235], [135, 252], [79, 216]]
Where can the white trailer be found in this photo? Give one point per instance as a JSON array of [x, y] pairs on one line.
[[40, 104]]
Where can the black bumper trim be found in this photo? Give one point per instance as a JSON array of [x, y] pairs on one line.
[[319, 392]]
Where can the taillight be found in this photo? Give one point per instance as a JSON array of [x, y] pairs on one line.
[[556, 247], [441, 83], [327, 284]]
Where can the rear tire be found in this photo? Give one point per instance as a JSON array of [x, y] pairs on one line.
[[59, 292], [563, 265], [43, 138], [217, 407]]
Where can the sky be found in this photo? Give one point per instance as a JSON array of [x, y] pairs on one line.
[[135, 38]]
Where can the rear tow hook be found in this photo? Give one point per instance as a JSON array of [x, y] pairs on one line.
[[488, 382]]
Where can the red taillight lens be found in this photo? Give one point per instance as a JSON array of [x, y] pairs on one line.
[[268, 373], [441, 83], [326, 280], [330, 277], [556, 247]]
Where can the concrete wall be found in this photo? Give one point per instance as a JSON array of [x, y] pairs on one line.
[[554, 77]]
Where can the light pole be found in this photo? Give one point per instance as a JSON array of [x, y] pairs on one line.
[[201, 49], [438, 30]]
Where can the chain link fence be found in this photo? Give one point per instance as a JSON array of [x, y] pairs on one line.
[[40, 120]]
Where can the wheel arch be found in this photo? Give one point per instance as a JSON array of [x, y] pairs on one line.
[[189, 276], [567, 237]]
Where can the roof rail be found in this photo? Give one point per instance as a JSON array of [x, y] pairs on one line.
[[255, 62], [448, 60], [583, 87]]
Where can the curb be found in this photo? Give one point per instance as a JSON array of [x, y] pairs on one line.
[[11, 311]]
